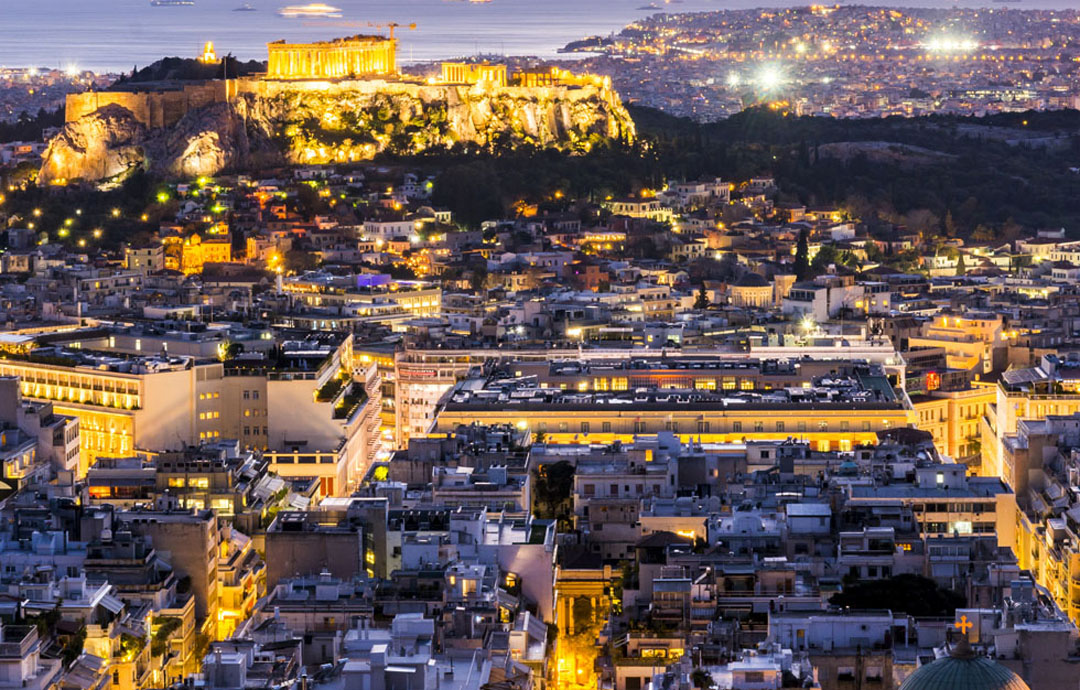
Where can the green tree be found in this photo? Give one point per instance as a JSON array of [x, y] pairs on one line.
[[554, 482], [961, 268], [982, 234], [802, 256], [702, 679], [914, 595], [950, 225], [828, 254], [478, 278], [298, 261], [702, 301], [472, 191]]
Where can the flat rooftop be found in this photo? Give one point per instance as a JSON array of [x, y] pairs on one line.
[[862, 391]]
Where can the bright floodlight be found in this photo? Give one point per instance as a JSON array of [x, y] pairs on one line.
[[733, 80], [770, 78], [72, 71], [950, 44]]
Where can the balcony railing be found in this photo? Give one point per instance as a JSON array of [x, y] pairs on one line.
[[17, 642]]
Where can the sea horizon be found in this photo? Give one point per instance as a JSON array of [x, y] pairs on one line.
[[118, 35]]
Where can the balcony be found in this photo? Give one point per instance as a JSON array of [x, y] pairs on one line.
[[350, 403], [18, 641]]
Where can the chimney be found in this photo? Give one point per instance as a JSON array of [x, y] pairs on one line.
[[219, 669]]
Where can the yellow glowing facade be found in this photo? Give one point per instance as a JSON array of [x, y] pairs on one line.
[[1001, 419], [557, 76], [1054, 564], [474, 73], [338, 59], [116, 409], [106, 403], [953, 418], [208, 57], [1047, 550], [195, 252], [825, 430]]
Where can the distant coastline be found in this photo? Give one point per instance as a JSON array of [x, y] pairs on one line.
[[114, 37]]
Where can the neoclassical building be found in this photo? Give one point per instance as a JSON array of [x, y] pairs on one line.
[[751, 290], [355, 56]]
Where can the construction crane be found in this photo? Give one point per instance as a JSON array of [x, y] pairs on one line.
[[391, 26]]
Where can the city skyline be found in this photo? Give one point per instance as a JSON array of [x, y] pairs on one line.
[[729, 350]]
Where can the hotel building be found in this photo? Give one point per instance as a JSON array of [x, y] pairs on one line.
[[422, 376], [834, 405], [373, 298], [161, 402], [119, 401]]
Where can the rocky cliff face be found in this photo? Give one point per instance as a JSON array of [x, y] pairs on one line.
[[279, 122], [99, 146]]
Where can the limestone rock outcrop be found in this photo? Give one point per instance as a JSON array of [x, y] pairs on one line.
[[103, 145], [270, 123]]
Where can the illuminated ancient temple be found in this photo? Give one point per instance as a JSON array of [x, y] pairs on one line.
[[356, 56], [473, 73]]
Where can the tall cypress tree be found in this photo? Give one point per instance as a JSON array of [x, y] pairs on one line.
[[702, 301], [802, 257]]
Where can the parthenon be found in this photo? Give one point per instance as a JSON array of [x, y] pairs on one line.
[[341, 58]]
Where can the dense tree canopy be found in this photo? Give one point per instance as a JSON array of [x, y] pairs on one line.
[[914, 595], [969, 177]]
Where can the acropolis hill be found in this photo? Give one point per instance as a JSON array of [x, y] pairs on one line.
[[329, 102]]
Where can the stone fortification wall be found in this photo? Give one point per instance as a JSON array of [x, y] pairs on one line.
[[153, 108]]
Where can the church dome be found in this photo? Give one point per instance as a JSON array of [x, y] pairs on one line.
[[964, 670], [751, 280]]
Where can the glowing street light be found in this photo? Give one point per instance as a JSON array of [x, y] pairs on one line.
[[162, 197], [950, 44], [807, 324], [733, 80], [770, 78]]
